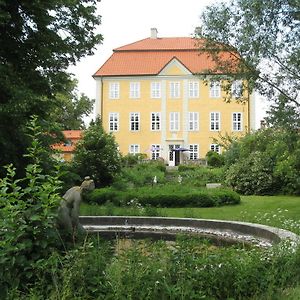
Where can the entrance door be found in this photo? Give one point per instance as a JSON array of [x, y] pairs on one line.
[[174, 156]]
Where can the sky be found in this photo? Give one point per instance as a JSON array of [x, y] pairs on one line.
[[127, 21]]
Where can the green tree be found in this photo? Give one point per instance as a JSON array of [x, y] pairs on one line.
[[70, 109], [39, 40], [96, 155], [262, 37]]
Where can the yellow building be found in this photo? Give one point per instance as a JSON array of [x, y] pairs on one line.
[[150, 97]]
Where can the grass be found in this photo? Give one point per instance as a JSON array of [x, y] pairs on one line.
[[252, 209]]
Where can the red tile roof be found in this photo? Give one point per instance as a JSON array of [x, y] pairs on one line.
[[151, 55], [72, 137]]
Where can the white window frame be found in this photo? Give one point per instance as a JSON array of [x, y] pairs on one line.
[[194, 151], [236, 88], [114, 90], [134, 90], [174, 89], [134, 149], [174, 121], [155, 151], [237, 121], [134, 121], [193, 89], [215, 148], [215, 89], [155, 90], [215, 121], [113, 121], [193, 118], [155, 121]]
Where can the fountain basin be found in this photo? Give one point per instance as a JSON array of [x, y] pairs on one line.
[[168, 228]]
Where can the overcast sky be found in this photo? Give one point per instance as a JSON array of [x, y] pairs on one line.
[[127, 21]]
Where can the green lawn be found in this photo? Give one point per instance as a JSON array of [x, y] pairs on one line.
[[272, 210]]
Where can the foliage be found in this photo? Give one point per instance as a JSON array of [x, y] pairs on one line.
[[252, 175], [140, 174], [39, 41], [190, 268], [70, 108], [214, 159], [132, 159], [165, 196], [200, 176], [28, 234], [266, 161], [96, 155], [262, 38]]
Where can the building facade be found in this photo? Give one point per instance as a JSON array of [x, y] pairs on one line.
[[151, 97], [66, 149]]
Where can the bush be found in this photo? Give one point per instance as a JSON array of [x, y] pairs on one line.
[[28, 214], [199, 176], [97, 156], [167, 196], [265, 162], [214, 159], [140, 175], [253, 175]]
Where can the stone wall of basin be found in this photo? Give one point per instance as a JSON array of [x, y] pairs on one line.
[[168, 227]]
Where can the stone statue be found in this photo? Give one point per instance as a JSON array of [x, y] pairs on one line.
[[68, 212]]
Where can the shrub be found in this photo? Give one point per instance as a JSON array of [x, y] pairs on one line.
[[253, 175], [28, 233], [214, 159], [199, 176], [168, 196], [141, 174], [96, 155]]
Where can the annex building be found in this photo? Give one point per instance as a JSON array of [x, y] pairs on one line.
[[151, 97]]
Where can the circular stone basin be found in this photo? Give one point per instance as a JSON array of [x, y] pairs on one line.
[[168, 228]]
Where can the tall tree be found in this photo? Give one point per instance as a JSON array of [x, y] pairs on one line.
[[39, 40], [71, 108], [264, 36]]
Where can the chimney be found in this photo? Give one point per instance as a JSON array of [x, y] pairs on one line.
[[153, 33]]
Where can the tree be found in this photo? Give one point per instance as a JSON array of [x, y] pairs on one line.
[[71, 108], [97, 156], [39, 40], [262, 37]]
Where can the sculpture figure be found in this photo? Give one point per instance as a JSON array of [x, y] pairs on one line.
[[68, 212]]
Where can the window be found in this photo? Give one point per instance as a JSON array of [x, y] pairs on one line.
[[174, 121], [237, 121], [155, 151], [214, 121], [134, 121], [114, 90], [134, 91], [174, 89], [134, 149], [215, 89], [194, 151], [215, 148], [155, 89], [237, 88], [113, 121], [155, 121], [193, 89], [193, 121]]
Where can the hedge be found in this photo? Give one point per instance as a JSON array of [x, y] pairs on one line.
[[165, 197]]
